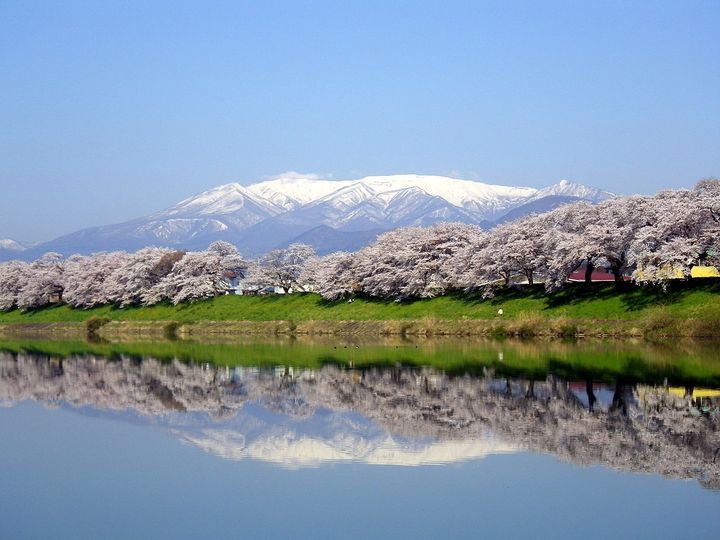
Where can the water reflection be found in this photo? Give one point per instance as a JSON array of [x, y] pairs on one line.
[[394, 415]]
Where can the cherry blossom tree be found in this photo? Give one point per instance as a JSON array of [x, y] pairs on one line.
[[198, 275], [618, 224], [525, 246], [339, 275], [566, 243], [283, 267], [681, 232], [412, 262], [708, 192], [133, 279], [13, 275], [43, 284], [332, 276], [85, 279], [511, 249]]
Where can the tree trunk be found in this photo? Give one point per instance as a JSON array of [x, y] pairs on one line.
[[529, 275], [617, 272], [589, 269], [617, 267]]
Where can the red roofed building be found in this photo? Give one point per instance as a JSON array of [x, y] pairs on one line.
[[599, 274]]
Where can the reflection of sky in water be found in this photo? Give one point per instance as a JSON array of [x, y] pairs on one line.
[[603, 393], [90, 476]]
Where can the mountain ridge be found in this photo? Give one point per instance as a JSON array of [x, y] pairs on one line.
[[271, 213]]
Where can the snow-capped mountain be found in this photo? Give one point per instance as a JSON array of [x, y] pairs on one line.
[[10, 249], [294, 192], [11, 245], [272, 213]]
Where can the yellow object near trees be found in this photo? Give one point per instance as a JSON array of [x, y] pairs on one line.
[[674, 272], [704, 272], [666, 271]]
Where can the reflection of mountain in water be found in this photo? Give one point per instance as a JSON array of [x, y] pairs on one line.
[[394, 416], [329, 436]]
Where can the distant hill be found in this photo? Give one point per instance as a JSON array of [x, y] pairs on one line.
[[328, 240], [538, 206]]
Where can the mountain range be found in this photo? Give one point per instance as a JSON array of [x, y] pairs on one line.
[[328, 214]]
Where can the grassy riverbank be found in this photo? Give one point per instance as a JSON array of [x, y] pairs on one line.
[[684, 309]]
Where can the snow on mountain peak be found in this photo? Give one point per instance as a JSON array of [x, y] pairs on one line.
[[297, 190], [573, 189], [225, 199], [454, 190], [294, 190], [348, 195], [11, 245]]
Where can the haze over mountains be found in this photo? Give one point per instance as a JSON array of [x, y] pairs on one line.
[[330, 215]]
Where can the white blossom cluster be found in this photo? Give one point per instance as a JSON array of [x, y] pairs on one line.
[[649, 238]]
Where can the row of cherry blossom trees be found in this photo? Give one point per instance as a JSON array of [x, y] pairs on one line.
[[649, 238], [146, 277]]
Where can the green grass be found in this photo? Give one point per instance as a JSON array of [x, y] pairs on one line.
[[599, 302], [696, 362]]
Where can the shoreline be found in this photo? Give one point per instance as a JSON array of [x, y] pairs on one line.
[[542, 327]]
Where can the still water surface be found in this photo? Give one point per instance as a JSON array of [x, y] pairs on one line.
[[357, 440]]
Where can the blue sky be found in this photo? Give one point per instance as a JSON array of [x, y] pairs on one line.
[[112, 110]]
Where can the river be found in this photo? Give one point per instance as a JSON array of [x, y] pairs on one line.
[[293, 438]]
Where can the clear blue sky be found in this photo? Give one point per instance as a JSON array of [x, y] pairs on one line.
[[111, 110]]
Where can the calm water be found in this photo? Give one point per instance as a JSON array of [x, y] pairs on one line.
[[358, 440]]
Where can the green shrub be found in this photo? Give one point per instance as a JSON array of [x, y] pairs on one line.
[[170, 330], [568, 330], [93, 324], [498, 332]]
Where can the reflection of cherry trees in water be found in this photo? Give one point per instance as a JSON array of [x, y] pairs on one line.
[[621, 397], [624, 424]]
